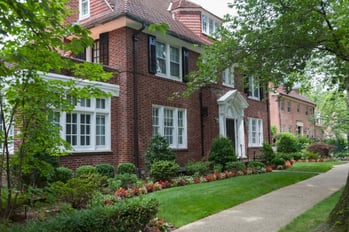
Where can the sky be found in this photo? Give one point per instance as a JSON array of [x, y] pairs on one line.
[[217, 7]]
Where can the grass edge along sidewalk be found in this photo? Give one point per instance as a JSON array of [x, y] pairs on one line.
[[183, 205]]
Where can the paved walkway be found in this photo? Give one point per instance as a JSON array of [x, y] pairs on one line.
[[274, 210]]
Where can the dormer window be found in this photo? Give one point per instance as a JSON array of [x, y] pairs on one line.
[[209, 25], [84, 8]]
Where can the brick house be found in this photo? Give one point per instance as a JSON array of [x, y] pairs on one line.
[[293, 112], [151, 67]]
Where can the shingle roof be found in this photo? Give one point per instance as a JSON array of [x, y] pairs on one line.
[[294, 94], [151, 11]]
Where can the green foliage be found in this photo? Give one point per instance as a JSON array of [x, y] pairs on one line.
[[339, 143], [234, 166], [85, 170], [321, 149], [296, 155], [222, 151], [78, 191], [105, 170], [197, 168], [268, 152], [127, 179], [164, 170], [287, 143], [125, 216], [129, 168], [285, 156], [278, 161], [62, 174], [310, 155], [158, 149], [113, 184], [303, 142], [255, 164]]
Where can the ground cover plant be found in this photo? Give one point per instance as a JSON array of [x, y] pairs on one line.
[[182, 205], [313, 166], [312, 218]]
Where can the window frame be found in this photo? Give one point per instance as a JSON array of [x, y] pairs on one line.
[[255, 137], [253, 88], [289, 106], [159, 125], [81, 9], [168, 61], [228, 77], [209, 25]]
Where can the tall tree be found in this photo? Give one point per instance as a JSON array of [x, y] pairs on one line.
[[276, 40], [32, 38]]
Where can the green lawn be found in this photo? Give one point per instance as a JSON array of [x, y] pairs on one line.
[[314, 217], [182, 205], [313, 166]]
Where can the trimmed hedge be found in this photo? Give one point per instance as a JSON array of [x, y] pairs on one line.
[[125, 216], [164, 170], [128, 168], [105, 170], [85, 170], [62, 174], [197, 168]]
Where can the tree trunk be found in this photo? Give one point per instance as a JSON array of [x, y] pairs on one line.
[[339, 217]]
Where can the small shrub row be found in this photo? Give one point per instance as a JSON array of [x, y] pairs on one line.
[[197, 168], [124, 216]]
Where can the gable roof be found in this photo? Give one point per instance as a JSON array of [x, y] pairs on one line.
[[294, 94], [148, 12]]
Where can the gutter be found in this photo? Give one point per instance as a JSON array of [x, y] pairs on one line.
[[135, 100]]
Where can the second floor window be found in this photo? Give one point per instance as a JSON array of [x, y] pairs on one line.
[[289, 106], [228, 77], [209, 25], [84, 8], [254, 90], [282, 104], [168, 60]]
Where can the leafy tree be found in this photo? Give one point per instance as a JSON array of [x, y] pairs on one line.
[[281, 41], [32, 36]]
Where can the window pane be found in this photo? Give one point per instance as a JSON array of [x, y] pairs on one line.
[[180, 127], [100, 130], [156, 123], [204, 24], [71, 129], [161, 57], [168, 125], [85, 129], [174, 55], [100, 103]]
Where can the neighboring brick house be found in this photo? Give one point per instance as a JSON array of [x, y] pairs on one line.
[[152, 67], [294, 113]]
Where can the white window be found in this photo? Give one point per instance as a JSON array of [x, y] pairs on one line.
[[84, 8], [170, 123], [254, 89], [87, 128], [168, 61], [228, 77], [209, 25], [255, 132]]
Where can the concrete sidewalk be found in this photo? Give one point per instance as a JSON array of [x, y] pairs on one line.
[[274, 210]]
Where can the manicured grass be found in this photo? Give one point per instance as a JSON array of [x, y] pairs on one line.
[[314, 217], [313, 166], [182, 205]]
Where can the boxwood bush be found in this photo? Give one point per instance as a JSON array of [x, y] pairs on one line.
[[62, 174], [85, 170], [234, 166], [124, 216], [164, 170], [197, 168], [129, 168], [105, 170]]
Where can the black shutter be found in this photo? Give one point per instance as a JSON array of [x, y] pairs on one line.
[[152, 54], [82, 55], [185, 64], [246, 86], [104, 48], [261, 93]]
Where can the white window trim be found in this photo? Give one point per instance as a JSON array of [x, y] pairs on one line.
[[227, 74], [259, 132], [252, 85], [208, 18], [168, 62], [93, 111], [175, 144], [81, 16]]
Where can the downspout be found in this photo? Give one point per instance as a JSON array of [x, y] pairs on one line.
[[135, 100], [269, 121], [202, 125]]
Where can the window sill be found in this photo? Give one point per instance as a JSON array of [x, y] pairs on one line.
[[90, 151], [179, 79]]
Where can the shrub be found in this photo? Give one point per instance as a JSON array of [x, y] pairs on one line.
[[222, 151], [105, 170], [129, 168], [255, 164], [158, 149], [278, 161], [78, 191], [321, 149], [285, 156], [287, 143], [217, 168], [197, 168], [311, 155], [113, 184], [303, 142], [296, 155], [127, 180], [164, 170], [62, 174], [268, 152], [234, 166], [85, 170], [128, 215]]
